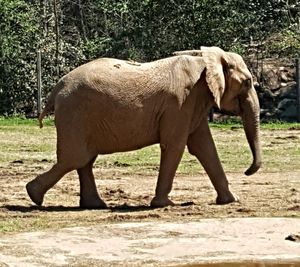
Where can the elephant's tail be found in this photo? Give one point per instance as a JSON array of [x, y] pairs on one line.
[[50, 102]]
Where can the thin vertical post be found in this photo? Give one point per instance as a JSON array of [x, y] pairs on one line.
[[57, 41], [298, 87], [39, 82]]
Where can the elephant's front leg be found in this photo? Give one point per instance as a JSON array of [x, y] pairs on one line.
[[201, 144], [170, 158]]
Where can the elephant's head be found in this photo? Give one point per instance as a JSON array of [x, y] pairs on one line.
[[231, 85]]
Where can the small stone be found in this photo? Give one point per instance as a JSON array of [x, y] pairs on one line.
[[189, 203], [19, 161], [290, 112], [286, 103], [293, 237], [283, 77], [283, 84]]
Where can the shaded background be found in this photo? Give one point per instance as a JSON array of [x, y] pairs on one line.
[[71, 32]]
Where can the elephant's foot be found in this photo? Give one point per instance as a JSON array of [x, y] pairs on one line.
[[159, 202], [226, 199], [92, 203], [35, 192]]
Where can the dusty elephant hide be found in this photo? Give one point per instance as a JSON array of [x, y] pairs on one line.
[[111, 105]]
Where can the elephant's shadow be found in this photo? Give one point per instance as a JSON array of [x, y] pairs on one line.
[[117, 208]]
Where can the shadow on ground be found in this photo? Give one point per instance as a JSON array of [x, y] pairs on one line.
[[118, 208]]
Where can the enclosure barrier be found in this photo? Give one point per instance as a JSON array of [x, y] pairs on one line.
[[39, 82]]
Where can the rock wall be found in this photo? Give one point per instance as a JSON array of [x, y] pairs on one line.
[[276, 87]]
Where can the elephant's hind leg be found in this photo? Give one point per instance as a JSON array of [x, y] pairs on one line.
[[69, 158], [37, 188], [89, 197]]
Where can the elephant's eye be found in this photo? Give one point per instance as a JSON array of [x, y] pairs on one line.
[[247, 83]]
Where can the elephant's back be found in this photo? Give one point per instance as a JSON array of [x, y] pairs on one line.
[[122, 75], [110, 67]]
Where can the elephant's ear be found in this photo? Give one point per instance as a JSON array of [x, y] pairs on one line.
[[186, 73], [216, 66]]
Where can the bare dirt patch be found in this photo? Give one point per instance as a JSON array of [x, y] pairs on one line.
[[128, 197], [240, 240], [126, 182]]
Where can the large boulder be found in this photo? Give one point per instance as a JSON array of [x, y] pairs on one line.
[[276, 87]]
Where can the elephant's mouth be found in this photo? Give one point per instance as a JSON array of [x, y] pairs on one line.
[[227, 112], [231, 108]]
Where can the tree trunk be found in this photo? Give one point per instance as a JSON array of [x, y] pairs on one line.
[[82, 24], [57, 40]]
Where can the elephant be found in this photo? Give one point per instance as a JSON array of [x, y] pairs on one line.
[[110, 105]]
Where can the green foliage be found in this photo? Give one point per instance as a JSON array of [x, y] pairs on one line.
[[284, 43], [144, 30], [17, 56]]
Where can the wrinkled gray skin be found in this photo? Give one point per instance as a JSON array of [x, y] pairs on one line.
[[111, 105]]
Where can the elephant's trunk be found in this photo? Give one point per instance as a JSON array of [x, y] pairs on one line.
[[250, 116]]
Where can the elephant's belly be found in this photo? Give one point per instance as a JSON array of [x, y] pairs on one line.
[[124, 144], [117, 122], [126, 135]]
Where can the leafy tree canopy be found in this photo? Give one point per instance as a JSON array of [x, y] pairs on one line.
[[71, 32]]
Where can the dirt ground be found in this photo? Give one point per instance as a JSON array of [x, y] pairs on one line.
[[128, 185], [61, 234], [128, 197], [272, 192], [248, 242]]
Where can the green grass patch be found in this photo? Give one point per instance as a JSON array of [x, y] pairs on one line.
[[270, 125], [22, 121], [26, 142], [280, 125], [11, 225], [14, 225], [21, 139], [232, 123]]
